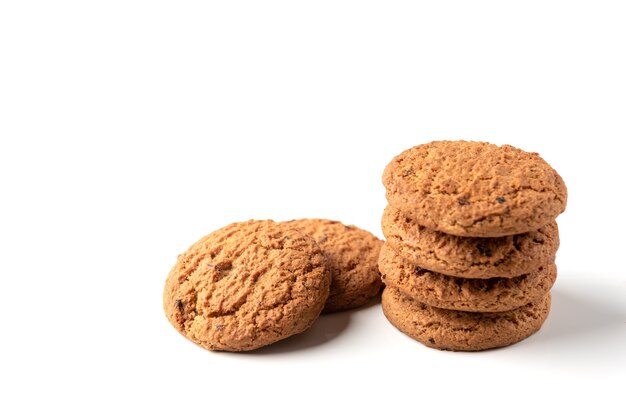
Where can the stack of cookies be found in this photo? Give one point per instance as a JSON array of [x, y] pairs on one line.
[[471, 243]]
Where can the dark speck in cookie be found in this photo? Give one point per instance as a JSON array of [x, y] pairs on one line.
[[419, 271], [484, 250]]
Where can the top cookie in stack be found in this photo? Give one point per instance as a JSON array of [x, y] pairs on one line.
[[462, 211], [475, 189]]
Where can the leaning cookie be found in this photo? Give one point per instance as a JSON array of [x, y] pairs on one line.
[[462, 331], [247, 285], [353, 255], [475, 258], [471, 295], [474, 189]]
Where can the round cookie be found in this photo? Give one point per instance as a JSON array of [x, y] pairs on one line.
[[470, 295], [462, 331], [247, 285], [474, 189], [474, 258], [352, 255]]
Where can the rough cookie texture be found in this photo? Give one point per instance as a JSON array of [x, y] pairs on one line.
[[471, 295], [478, 258], [474, 189], [247, 285], [462, 331], [352, 254]]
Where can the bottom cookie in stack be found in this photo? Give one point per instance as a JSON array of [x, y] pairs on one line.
[[452, 313], [446, 329]]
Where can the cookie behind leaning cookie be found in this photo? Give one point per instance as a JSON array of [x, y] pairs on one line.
[[352, 255]]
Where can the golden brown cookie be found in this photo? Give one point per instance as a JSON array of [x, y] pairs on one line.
[[352, 254], [477, 258], [462, 331], [247, 285], [471, 295], [474, 189]]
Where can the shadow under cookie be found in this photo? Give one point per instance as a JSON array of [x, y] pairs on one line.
[[325, 329]]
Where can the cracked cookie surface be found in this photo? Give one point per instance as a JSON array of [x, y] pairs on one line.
[[474, 189], [470, 295], [247, 285], [479, 258], [462, 331], [353, 259]]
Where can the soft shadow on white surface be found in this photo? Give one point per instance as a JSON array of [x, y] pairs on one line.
[[577, 316], [326, 328], [586, 327]]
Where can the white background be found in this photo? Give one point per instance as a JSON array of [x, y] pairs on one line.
[[130, 129]]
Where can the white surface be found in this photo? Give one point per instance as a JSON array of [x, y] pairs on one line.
[[130, 129]]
